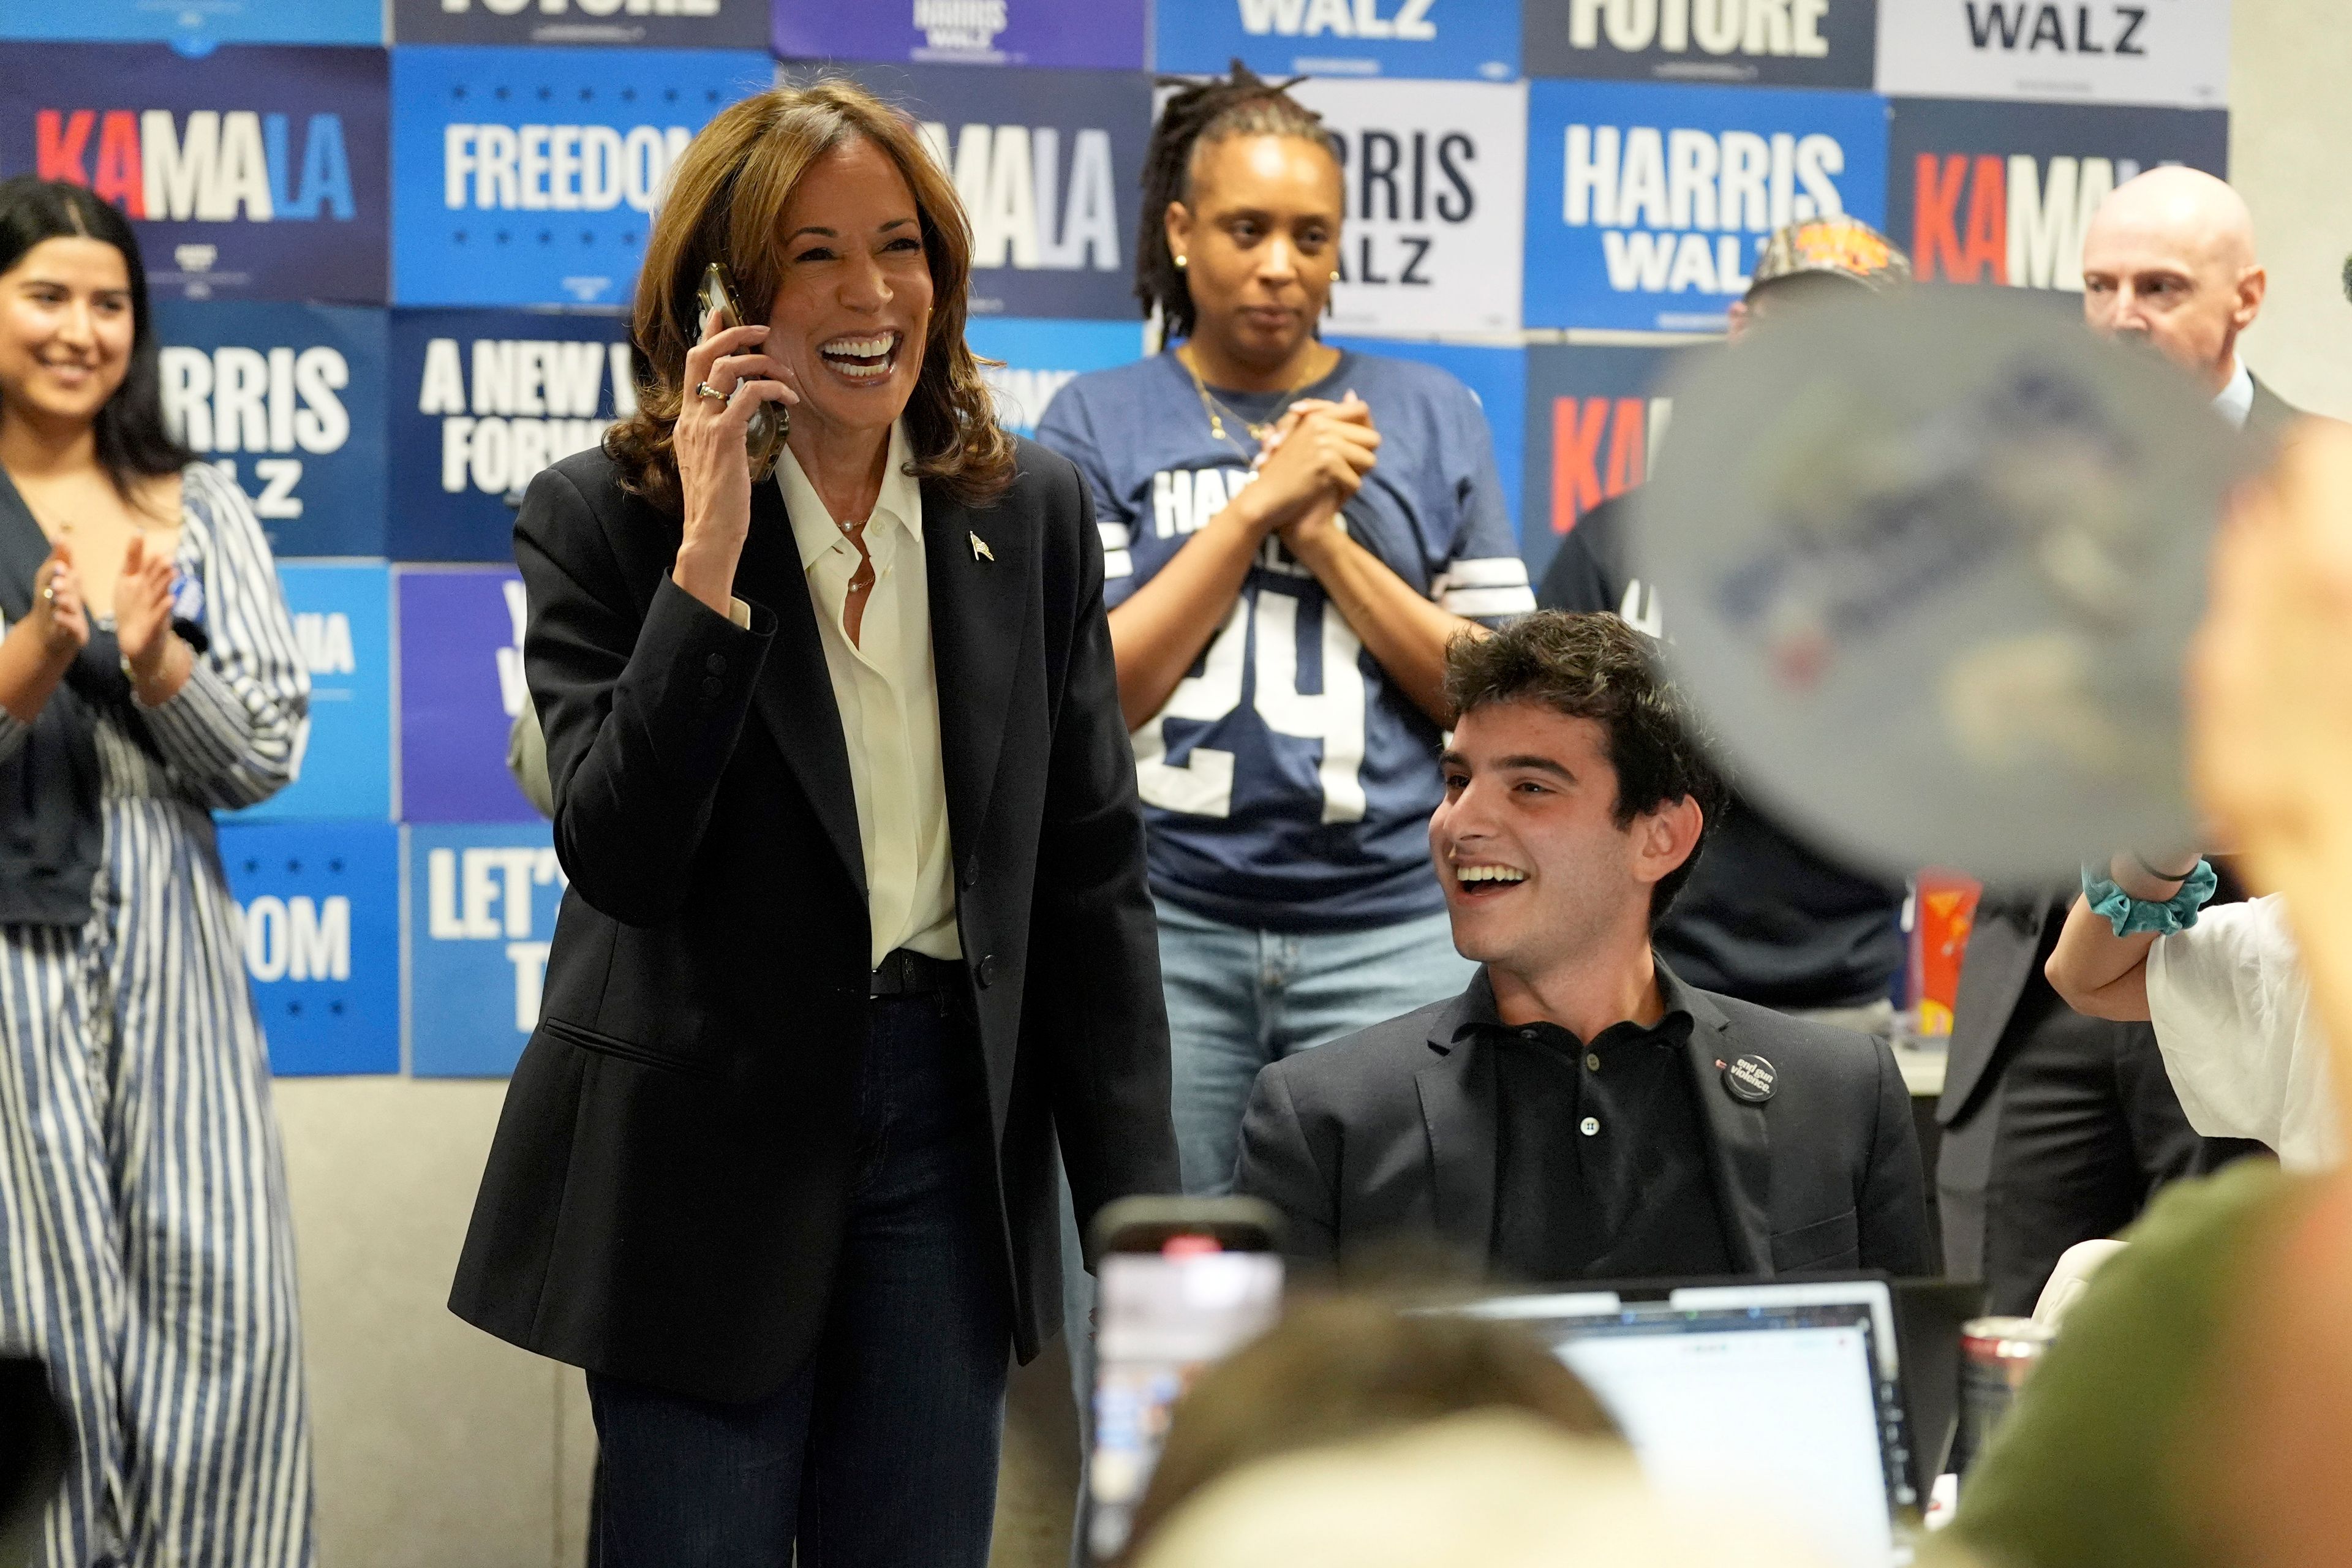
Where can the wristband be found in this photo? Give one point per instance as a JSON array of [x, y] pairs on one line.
[[2130, 916]]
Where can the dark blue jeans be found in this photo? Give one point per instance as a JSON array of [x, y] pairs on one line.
[[881, 1452]]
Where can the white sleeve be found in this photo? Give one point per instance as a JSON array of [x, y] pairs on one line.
[[2226, 997]]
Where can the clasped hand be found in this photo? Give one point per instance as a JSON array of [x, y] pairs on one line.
[[1314, 460]]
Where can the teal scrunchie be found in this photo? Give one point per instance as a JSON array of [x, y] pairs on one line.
[[2129, 915]]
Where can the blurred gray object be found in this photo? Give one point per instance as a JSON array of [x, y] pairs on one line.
[[526, 760], [1933, 564], [34, 1446]]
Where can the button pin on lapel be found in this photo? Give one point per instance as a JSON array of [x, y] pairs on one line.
[[980, 550], [1751, 1080]]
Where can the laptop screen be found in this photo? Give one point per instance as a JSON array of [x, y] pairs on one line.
[[1776, 1401]]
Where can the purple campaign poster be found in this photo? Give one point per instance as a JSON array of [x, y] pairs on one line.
[[1105, 33], [257, 172], [460, 687]]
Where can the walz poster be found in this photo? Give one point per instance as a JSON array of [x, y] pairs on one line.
[[1435, 174], [483, 401], [1107, 35], [288, 401], [1785, 43], [529, 176], [255, 173], [2082, 51], [1647, 205], [1410, 39]]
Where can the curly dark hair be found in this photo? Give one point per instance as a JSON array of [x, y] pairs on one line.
[[1596, 666], [1241, 104], [724, 202], [134, 442]]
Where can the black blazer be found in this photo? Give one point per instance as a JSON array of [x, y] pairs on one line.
[[665, 1197], [1390, 1134]]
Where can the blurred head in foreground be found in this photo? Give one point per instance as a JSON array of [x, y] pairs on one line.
[[1340, 1369], [1821, 259], [2168, 262], [1496, 1488]]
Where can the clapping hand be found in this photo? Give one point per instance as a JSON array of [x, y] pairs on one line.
[[58, 611], [143, 609]]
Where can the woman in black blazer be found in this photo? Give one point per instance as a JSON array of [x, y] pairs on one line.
[[776, 1167]]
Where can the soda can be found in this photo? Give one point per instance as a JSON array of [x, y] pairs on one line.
[[1997, 1356]]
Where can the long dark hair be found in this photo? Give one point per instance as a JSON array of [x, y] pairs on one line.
[[1241, 104], [133, 442]]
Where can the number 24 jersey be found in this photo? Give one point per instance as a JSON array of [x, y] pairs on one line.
[[1287, 783]]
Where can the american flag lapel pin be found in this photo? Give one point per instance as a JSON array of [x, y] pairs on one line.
[[980, 550]]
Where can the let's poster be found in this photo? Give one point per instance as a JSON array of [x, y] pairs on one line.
[[255, 173]]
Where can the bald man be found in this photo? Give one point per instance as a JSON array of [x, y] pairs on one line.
[[2169, 260], [2058, 1127]]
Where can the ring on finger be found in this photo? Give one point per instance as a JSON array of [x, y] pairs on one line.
[[704, 389]]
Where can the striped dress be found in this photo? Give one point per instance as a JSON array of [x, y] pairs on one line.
[[145, 1248]]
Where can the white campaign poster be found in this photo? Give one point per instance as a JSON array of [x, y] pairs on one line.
[[2082, 51], [1436, 179]]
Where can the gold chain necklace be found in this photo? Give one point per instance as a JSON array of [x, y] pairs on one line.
[[1215, 408]]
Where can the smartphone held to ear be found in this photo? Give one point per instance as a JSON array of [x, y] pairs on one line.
[[763, 437]]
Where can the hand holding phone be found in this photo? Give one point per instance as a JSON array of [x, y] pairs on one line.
[[763, 437]]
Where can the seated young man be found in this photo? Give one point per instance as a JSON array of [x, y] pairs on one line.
[[1578, 1112]]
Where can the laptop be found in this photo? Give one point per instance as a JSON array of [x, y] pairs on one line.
[[1780, 1400]]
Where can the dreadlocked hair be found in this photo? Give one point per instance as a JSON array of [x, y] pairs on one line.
[[1241, 104]]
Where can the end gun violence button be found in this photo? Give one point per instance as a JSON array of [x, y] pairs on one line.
[[1751, 1080]]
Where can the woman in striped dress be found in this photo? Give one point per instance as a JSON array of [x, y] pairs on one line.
[[148, 674]]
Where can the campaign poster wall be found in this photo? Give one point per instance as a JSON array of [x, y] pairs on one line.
[[482, 401], [481, 909], [1042, 357], [2105, 51], [1049, 164], [661, 24], [461, 686], [1595, 416], [1412, 38], [288, 401], [342, 623], [320, 904], [193, 26], [529, 176], [1647, 205], [1787, 43], [1436, 179], [1498, 377], [1102, 34], [2002, 193], [257, 172]]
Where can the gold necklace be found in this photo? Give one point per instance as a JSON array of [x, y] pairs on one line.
[[1215, 408]]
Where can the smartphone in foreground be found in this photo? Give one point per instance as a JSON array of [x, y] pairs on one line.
[[1181, 1282], [763, 437]]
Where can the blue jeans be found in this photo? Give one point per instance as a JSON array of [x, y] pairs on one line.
[[881, 1452], [1238, 999]]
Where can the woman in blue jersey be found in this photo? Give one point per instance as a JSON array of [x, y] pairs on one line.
[[1292, 533]]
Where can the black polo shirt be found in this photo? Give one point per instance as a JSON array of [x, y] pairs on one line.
[[1602, 1161]]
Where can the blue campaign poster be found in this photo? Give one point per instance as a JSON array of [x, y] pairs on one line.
[[482, 401], [193, 26], [320, 907], [1042, 357], [288, 400], [482, 908], [1594, 419], [257, 172], [1105, 34], [529, 176], [1647, 205], [342, 620], [461, 686], [1049, 164], [1499, 376], [1416, 38]]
